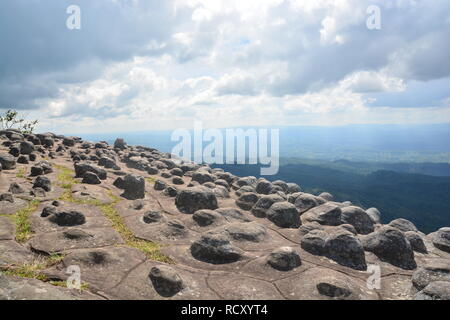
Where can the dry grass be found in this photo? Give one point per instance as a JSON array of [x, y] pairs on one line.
[[32, 270]]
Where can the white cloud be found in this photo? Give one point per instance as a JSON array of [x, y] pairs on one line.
[[162, 65]]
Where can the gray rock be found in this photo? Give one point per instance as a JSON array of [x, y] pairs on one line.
[[177, 172], [374, 214], [308, 227], [106, 162], [281, 184], [245, 189], [7, 161], [120, 144], [390, 245], [344, 248], [48, 211], [284, 215], [202, 177], [305, 202], [349, 228], [177, 180], [284, 259], [243, 231], [314, 242], [42, 182], [152, 170], [327, 196], [247, 200], [403, 225], [358, 218], [332, 291], [206, 217], [416, 241], [69, 142], [134, 187], [37, 192], [82, 167], [438, 290], [152, 216], [223, 183], [221, 192], [246, 181], [14, 151], [434, 270], [23, 159], [119, 183], [441, 239], [166, 280], [215, 248], [26, 147], [196, 198], [170, 191], [7, 197], [232, 214], [15, 188], [91, 178], [264, 203], [293, 187], [326, 214], [160, 185], [68, 218], [263, 186]]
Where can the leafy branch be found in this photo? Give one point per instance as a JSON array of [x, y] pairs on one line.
[[11, 119]]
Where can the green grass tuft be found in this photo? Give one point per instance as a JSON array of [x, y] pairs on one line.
[[21, 219], [21, 173], [151, 179]]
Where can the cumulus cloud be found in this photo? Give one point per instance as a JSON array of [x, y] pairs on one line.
[[162, 64]]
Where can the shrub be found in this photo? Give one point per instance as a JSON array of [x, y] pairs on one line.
[[12, 119]]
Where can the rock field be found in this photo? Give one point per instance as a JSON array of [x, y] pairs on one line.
[[138, 223]]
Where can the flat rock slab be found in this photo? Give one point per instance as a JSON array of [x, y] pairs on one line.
[[74, 238], [11, 208], [236, 287], [13, 288], [333, 285], [170, 231], [12, 253], [182, 255], [137, 207], [94, 218], [103, 269], [396, 287], [7, 229], [91, 192], [138, 286], [259, 268]]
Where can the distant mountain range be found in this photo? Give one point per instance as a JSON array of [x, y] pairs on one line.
[[356, 143], [403, 170], [420, 198]]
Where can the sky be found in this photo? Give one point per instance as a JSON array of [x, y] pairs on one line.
[[137, 65]]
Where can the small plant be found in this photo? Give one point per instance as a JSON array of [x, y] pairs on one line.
[[23, 227], [12, 119]]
